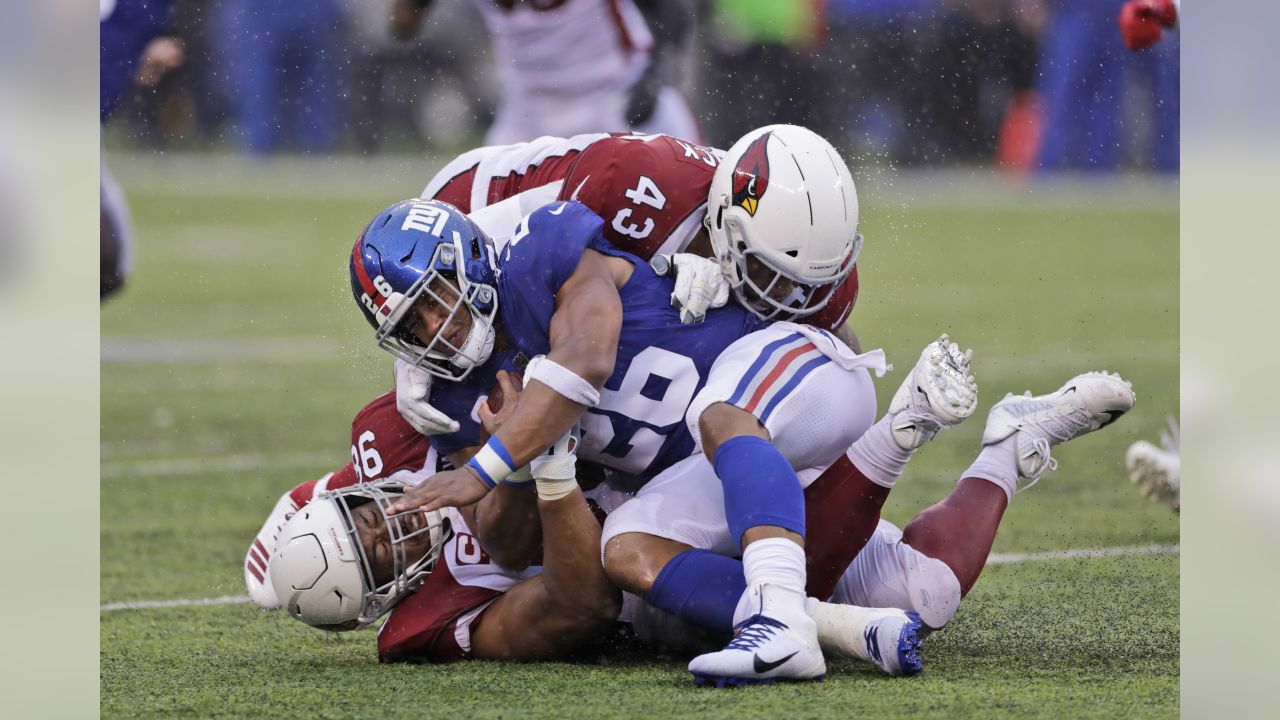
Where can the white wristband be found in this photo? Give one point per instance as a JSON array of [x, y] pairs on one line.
[[562, 380], [493, 462]]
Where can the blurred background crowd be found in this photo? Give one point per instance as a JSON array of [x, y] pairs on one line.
[[1023, 84]]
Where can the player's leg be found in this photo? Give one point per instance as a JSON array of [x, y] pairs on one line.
[[663, 546], [960, 529], [843, 505]]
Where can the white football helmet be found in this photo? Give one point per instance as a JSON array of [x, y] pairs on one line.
[[321, 572], [783, 198]]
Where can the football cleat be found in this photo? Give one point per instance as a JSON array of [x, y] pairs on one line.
[[1157, 470], [1085, 403], [939, 392], [771, 645], [889, 638]]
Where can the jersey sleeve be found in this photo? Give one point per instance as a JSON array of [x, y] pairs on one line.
[[650, 190], [382, 442], [542, 255]]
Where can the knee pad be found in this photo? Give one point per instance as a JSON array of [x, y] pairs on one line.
[[932, 587]]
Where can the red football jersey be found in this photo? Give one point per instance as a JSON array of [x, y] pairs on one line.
[[651, 190], [382, 442]]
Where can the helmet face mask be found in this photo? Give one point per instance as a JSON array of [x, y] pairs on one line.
[[783, 221], [325, 575], [773, 293], [440, 288], [427, 252]]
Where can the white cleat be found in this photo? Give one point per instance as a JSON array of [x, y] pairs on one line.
[[776, 643], [939, 392], [1085, 403], [1157, 471], [888, 638]]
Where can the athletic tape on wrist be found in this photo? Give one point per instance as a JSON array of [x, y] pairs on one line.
[[521, 478], [554, 489], [562, 380], [493, 462]]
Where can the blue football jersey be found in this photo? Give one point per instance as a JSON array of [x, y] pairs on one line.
[[460, 401], [638, 427]]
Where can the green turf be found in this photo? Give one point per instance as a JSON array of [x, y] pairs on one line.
[[249, 287]]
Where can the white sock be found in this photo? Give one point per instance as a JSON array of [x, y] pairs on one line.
[[776, 562], [878, 456], [997, 463], [840, 627]]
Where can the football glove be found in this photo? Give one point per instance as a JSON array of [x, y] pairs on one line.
[[700, 284], [1142, 21], [413, 387]]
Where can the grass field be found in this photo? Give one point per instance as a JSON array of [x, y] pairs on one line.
[[232, 366]]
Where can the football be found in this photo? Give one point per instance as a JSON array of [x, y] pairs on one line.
[[496, 399]]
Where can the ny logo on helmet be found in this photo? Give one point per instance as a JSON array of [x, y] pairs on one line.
[[751, 175]]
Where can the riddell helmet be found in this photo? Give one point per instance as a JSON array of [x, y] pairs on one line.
[[321, 572], [396, 261], [783, 198]]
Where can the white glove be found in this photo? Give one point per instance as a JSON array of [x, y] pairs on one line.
[[700, 286], [413, 387]]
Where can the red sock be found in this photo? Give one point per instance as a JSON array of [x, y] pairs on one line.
[[842, 508]]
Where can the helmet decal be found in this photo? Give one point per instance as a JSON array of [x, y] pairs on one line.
[[751, 175]]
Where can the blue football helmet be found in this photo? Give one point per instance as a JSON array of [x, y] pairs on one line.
[[427, 251]]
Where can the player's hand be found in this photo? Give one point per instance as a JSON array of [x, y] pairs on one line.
[[1142, 21], [700, 286], [413, 387], [451, 488], [510, 387]]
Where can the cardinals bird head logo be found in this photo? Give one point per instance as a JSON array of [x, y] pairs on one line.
[[751, 175]]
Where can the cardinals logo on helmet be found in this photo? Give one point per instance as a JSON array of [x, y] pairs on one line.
[[751, 175]]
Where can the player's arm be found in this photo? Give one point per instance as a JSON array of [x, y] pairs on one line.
[[583, 341], [552, 613], [506, 521]]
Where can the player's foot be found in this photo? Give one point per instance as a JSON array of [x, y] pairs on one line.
[[939, 392], [887, 637], [1157, 471], [1085, 403], [778, 642]]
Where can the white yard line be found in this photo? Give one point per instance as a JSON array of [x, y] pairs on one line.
[[143, 351], [219, 464], [995, 559], [150, 604]]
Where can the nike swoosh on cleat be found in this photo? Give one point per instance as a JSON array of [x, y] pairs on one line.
[[1112, 416], [763, 667]]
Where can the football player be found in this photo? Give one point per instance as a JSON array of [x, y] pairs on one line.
[[456, 613], [344, 561], [590, 315], [569, 67], [654, 193]]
